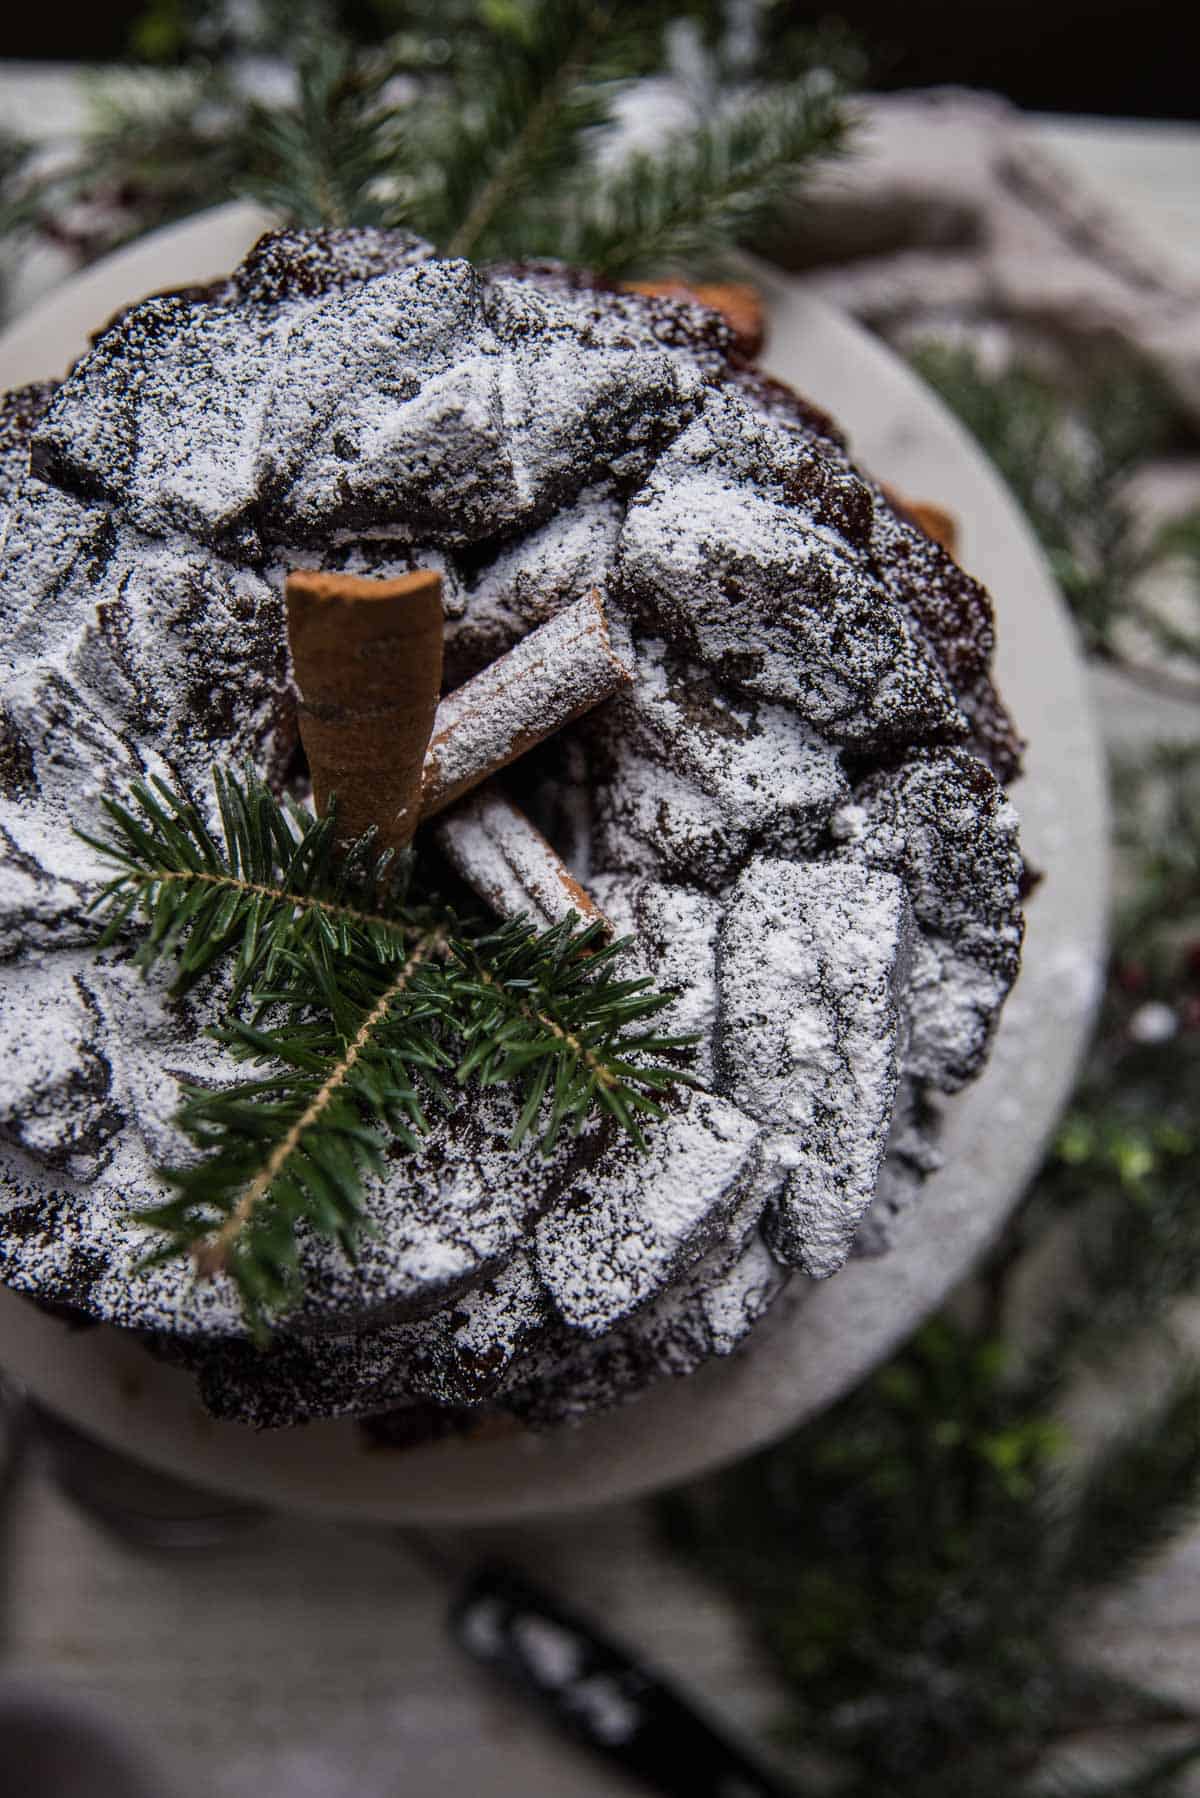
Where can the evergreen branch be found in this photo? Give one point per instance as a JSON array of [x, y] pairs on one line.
[[276, 886], [546, 1011], [331, 158], [705, 189], [534, 1012], [358, 1044], [295, 1146], [535, 90], [477, 126]]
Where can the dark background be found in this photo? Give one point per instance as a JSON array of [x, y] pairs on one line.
[[1101, 56]]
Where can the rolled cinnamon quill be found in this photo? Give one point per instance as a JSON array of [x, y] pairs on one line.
[[504, 858], [934, 520], [550, 678], [367, 659], [739, 304]]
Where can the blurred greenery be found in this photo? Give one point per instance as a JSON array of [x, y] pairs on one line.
[[1069, 446], [16, 206], [478, 124], [911, 1560]]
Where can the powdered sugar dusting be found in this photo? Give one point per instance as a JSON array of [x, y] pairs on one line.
[[635, 1223], [784, 806], [813, 971]]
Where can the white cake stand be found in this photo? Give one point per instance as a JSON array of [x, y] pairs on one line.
[[818, 1341]]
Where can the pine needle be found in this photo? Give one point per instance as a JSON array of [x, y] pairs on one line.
[[480, 127], [332, 156], [549, 1005], [536, 107], [295, 1146]]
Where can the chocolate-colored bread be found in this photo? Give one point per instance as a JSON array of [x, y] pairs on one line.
[[795, 806]]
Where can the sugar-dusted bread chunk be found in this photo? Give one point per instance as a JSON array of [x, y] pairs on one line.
[[793, 807]]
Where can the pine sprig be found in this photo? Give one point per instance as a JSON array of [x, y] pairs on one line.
[[363, 1012], [294, 1146], [546, 1012], [704, 189], [331, 157], [484, 127], [274, 886], [527, 102]]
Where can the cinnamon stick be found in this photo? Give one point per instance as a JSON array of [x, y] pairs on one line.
[[933, 519], [739, 304], [550, 678], [936, 522], [367, 658], [504, 858]]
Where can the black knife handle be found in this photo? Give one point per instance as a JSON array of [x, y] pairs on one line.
[[602, 1696]]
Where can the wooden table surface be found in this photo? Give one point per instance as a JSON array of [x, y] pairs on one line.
[[305, 1661]]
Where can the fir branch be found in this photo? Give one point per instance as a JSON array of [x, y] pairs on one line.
[[530, 103], [531, 120], [478, 127], [547, 1011], [509, 111], [276, 887], [374, 1006], [704, 189], [333, 156], [294, 1146]]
